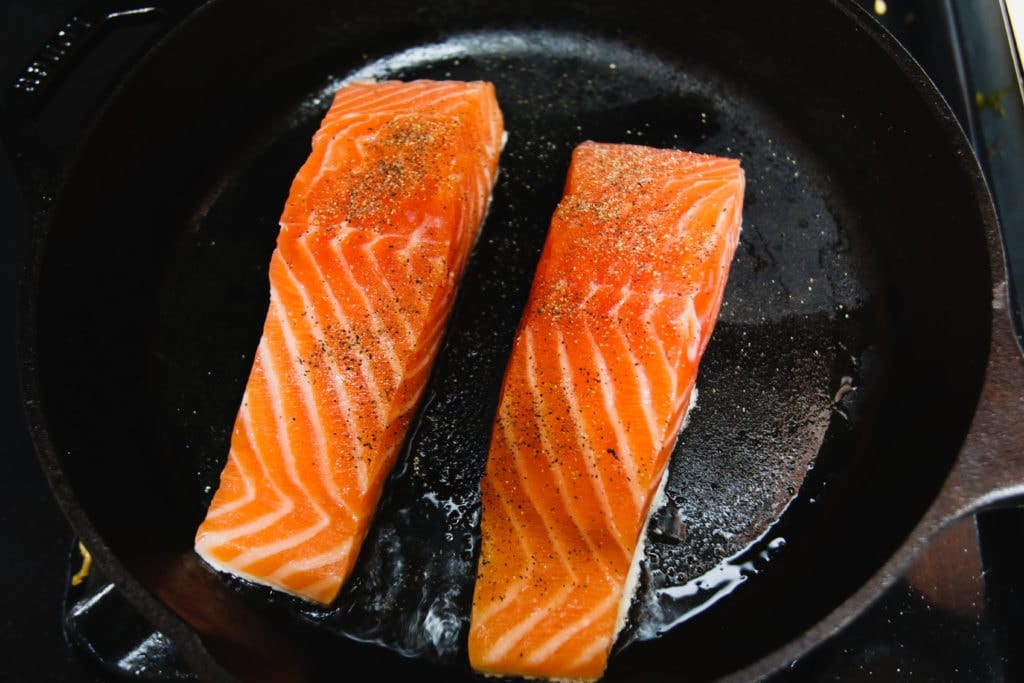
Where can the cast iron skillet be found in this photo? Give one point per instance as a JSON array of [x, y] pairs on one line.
[[862, 389]]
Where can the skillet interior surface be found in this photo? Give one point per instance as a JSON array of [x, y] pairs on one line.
[[829, 411]]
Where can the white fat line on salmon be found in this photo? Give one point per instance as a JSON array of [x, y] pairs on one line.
[[285, 452], [320, 586], [658, 502], [643, 385], [338, 387], [375, 236], [593, 289], [503, 497], [704, 168], [360, 142], [242, 574], [418, 236], [435, 97], [590, 457], [627, 294], [249, 494], [689, 409], [683, 224], [400, 409], [261, 552], [491, 150], [657, 343], [219, 538], [339, 552], [364, 102], [512, 636], [488, 202], [318, 329], [422, 356], [369, 249], [512, 591], [378, 327], [614, 314], [305, 388], [345, 128], [339, 131], [484, 181], [337, 137], [725, 218], [692, 327], [621, 451], [537, 399], [689, 187], [432, 342], [597, 647], [545, 650]]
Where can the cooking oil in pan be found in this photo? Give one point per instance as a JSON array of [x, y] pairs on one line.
[[665, 602]]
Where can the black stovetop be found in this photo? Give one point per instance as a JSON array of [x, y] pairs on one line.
[[957, 615]]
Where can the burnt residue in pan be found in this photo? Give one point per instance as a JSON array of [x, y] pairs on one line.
[[785, 366]]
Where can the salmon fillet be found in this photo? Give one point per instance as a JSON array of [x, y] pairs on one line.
[[373, 240], [623, 302]]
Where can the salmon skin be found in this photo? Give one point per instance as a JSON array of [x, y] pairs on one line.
[[373, 240], [603, 366]]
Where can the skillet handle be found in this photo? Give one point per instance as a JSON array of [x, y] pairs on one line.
[[989, 472], [38, 146]]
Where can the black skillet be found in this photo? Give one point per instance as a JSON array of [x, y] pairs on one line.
[[862, 389]]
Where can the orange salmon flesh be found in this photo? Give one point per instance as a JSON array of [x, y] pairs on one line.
[[622, 306], [373, 241]]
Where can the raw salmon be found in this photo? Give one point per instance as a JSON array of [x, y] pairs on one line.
[[603, 366], [374, 237]]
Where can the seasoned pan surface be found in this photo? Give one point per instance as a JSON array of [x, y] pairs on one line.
[[828, 415]]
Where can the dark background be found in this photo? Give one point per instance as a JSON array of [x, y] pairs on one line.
[[33, 535], [957, 615]]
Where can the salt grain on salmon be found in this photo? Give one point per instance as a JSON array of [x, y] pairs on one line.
[[373, 240], [603, 367]]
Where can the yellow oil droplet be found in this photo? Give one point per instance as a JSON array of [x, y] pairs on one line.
[[881, 7]]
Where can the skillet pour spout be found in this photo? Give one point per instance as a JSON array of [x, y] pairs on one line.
[[870, 250]]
